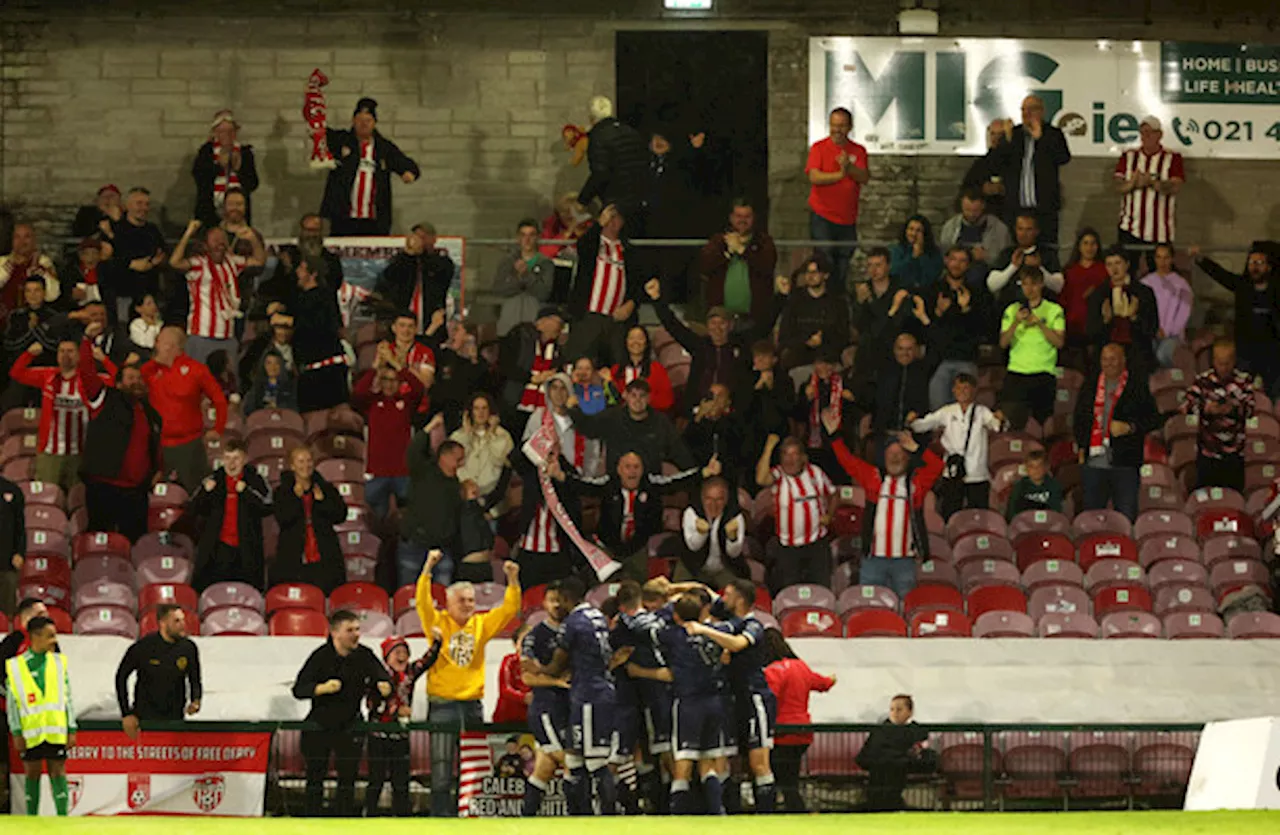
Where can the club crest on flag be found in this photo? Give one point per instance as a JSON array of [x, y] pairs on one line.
[[75, 789], [207, 792], [139, 790]]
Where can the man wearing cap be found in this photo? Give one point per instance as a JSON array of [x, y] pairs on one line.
[[605, 292], [357, 195], [222, 164], [527, 358], [1148, 179]]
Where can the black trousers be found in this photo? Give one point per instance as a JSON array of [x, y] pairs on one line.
[[229, 564], [800, 564], [1028, 395], [786, 760], [964, 496], [322, 388], [1227, 471], [112, 508], [388, 760], [346, 748], [352, 226], [884, 787]]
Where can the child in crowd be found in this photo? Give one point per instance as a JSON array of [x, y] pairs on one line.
[[273, 386], [389, 750], [513, 694], [144, 329], [1037, 490], [593, 397]]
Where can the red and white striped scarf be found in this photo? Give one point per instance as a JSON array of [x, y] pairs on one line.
[[225, 178], [815, 408], [1099, 432], [543, 360], [362, 187]]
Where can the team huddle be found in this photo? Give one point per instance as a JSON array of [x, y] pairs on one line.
[[668, 675]]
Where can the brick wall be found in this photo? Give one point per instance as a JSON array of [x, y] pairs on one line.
[[478, 101]]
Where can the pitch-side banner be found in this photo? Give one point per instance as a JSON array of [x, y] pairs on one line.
[[938, 95], [493, 768], [164, 773]]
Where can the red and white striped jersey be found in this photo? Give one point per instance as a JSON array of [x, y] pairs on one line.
[[362, 186], [416, 357], [799, 502], [350, 297], [1145, 213], [609, 284], [63, 415], [213, 294], [628, 514], [543, 536], [891, 531]]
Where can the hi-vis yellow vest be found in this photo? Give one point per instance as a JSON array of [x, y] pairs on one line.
[[43, 716]]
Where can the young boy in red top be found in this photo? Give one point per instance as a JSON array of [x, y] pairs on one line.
[[513, 694], [389, 750]]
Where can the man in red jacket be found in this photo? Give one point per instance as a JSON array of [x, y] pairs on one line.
[[178, 385]]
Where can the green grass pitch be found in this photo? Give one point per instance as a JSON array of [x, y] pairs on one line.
[[1050, 823]]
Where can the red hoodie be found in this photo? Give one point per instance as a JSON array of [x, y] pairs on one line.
[[792, 681], [511, 706], [177, 392]]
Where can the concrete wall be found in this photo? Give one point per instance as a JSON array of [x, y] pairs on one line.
[[478, 100]]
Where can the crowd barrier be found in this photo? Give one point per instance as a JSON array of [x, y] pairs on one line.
[[256, 769]]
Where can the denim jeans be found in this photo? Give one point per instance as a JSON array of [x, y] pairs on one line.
[[1164, 350], [895, 573], [1118, 484], [942, 379], [411, 556], [444, 751], [821, 229], [379, 490]]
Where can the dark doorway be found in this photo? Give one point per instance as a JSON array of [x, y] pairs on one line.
[[683, 83]]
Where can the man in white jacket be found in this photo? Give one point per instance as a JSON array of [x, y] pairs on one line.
[[966, 481]]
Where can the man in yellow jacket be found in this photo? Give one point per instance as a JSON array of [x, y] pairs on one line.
[[41, 719], [455, 687]]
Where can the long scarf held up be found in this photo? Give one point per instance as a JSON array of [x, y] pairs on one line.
[[815, 408], [540, 449], [1099, 433], [226, 177], [316, 113]]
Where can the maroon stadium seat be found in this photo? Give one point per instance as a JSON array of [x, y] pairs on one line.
[[166, 569], [1052, 572], [376, 625], [1038, 522], [981, 547], [977, 573], [299, 622], [48, 542], [163, 543], [965, 522], [1105, 573], [874, 623], [1231, 575], [1128, 598], [279, 420], [241, 595], [1174, 546], [1174, 598], [41, 492], [1212, 498], [810, 622], [932, 598], [341, 469], [166, 494], [295, 596], [46, 568], [1220, 521], [802, 595], [855, 598], [1033, 547], [105, 593], [1176, 572], [360, 542], [1249, 625], [1131, 624], [359, 597], [1004, 624], [106, 620], [932, 623], [961, 763], [1182, 625], [1099, 763], [1163, 768], [269, 467], [100, 568], [490, 595], [1217, 548], [1059, 600], [62, 620], [96, 543], [937, 572], [233, 621], [149, 597], [409, 625], [1034, 762], [995, 599], [45, 516], [1090, 522], [1162, 523]]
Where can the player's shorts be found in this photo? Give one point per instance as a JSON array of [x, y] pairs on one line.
[[757, 715], [592, 725], [550, 726], [657, 724], [44, 752], [697, 727], [730, 727], [627, 725]]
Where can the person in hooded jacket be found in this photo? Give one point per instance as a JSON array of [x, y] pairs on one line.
[[308, 507], [232, 501]]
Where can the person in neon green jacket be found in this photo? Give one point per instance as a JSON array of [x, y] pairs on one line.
[[41, 719]]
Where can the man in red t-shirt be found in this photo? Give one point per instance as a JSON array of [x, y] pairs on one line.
[[837, 170], [178, 386]]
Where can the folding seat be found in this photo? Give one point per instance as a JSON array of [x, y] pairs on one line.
[[1090, 522], [1250, 625], [403, 600], [995, 599], [240, 595], [979, 573], [270, 467], [342, 447], [1033, 547], [172, 570], [1231, 575], [163, 543], [409, 625], [1259, 475], [936, 572], [346, 420], [102, 568], [846, 521], [43, 493], [1131, 624], [149, 623], [1163, 767], [1162, 523], [1111, 572], [1100, 546], [981, 547], [352, 493], [1004, 624], [299, 622], [46, 517], [939, 548], [1170, 400], [966, 522], [105, 593], [100, 544], [1038, 523], [932, 598], [163, 517], [19, 445], [1167, 379], [1009, 448], [1099, 763], [940, 624], [1178, 573], [1156, 473], [810, 622], [360, 569], [1156, 549], [874, 623], [21, 468], [855, 598], [1050, 573], [1263, 425], [341, 469], [360, 542], [106, 620], [490, 595], [1058, 599], [1220, 521], [149, 597], [1129, 598], [19, 421], [276, 420], [226, 621], [803, 595], [46, 568], [961, 759], [1188, 598], [1035, 763], [834, 756], [166, 494], [1260, 449], [294, 596], [1183, 625], [361, 597], [376, 625], [1002, 481], [51, 593], [1159, 497]]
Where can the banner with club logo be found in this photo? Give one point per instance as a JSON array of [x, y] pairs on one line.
[[212, 773], [939, 95]]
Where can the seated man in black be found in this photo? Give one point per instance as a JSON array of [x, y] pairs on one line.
[[892, 751]]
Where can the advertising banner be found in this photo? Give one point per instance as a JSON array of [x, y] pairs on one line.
[[493, 770], [938, 95], [210, 773]]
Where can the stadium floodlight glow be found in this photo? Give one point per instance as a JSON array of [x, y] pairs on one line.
[[687, 5]]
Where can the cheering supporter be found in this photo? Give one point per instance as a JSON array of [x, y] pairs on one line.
[[803, 500], [104, 209], [222, 164], [527, 358], [486, 446], [678, 200], [1110, 429], [455, 687], [1084, 274], [336, 677], [791, 682], [122, 446], [914, 259], [525, 278], [42, 718], [138, 251], [145, 327], [317, 347], [389, 749], [965, 425], [274, 386], [1174, 299], [956, 327], [567, 221], [357, 193], [1257, 310], [812, 319], [177, 385], [514, 696], [17, 640], [63, 416], [307, 507], [1038, 489], [1124, 312], [13, 541], [983, 235], [475, 537], [895, 506], [605, 291], [430, 518], [235, 222], [880, 308], [418, 279], [640, 364], [899, 393], [279, 291], [1029, 159], [167, 665], [593, 397], [213, 289], [23, 260], [404, 351], [825, 394], [837, 170], [33, 323], [232, 503], [633, 427], [892, 751], [1148, 178], [1222, 401], [83, 271], [619, 161], [112, 341], [737, 266], [1026, 236], [1033, 332], [713, 534]]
